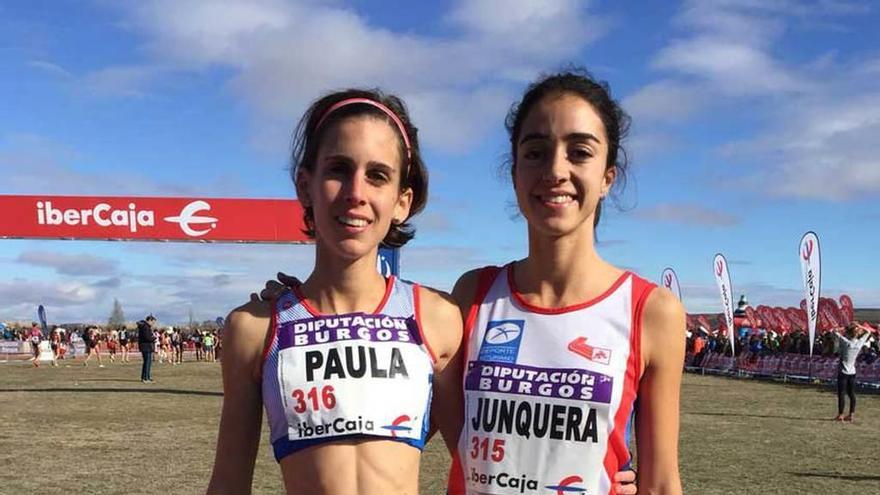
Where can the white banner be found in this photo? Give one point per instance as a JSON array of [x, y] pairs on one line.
[[13, 347], [722, 278], [811, 269], [669, 280]]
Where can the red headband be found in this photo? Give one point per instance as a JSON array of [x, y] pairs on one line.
[[387, 111]]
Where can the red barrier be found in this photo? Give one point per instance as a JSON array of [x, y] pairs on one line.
[[784, 365]]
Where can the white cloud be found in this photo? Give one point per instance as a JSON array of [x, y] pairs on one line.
[[212, 278], [687, 214], [434, 222], [731, 67], [664, 101], [822, 148], [643, 147], [50, 68], [27, 160], [122, 81], [69, 264], [727, 49], [62, 293], [529, 27], [163, 279], [819, 119], [451, 120], [284, 54], [869, 67]]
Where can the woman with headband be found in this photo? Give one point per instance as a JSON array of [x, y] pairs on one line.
[[346, 362]]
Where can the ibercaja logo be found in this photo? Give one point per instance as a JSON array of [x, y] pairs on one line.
[[187, 218], [808, 250], [399, 425], [132, 217], [102, 215], [568, 485]]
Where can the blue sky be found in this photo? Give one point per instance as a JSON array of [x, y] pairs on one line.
[[753, 121]]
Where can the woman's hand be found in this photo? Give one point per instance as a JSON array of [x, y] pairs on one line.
[[274, 288], [625, 482]]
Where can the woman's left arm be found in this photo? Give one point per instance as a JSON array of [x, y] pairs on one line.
[[657, 420]]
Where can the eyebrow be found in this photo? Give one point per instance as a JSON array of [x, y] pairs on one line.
[[574, 136], [388, 169], [372, 163]]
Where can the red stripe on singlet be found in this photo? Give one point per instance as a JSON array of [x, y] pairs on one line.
[[455, 484], [617, 451]]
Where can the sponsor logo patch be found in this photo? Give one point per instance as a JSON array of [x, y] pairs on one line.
[[568, 485], [501, 341], [599, 355], [398, 425]]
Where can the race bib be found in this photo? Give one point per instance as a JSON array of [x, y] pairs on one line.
[[534, 429], [354, 374]]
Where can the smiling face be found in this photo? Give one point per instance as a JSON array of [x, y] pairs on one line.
[[560, 168], [354, 187]]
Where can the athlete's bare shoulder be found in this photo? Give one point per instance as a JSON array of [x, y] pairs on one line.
[[430, 296], [662, 306], [249, 320], [441, 321], [245, 336], [250, 311], [663, 324]]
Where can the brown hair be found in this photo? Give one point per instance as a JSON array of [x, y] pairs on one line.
[[309, 134], [577, 81]]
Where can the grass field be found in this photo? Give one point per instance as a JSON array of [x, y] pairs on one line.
[[91, 430]]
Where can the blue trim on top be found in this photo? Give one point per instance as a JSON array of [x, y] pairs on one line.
[[628, 435], [284, 447]]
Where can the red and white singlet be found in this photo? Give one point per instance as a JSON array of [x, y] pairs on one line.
[[548, 392]]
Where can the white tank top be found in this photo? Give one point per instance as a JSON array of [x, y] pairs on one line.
[[337, 376], [548, 392]]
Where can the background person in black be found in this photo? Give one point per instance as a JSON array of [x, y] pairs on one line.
[[123, 343], [177, 346], [91, 339], [197, 341], [146, 342]]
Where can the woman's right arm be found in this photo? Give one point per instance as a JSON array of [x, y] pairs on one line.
[[238, 439]]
